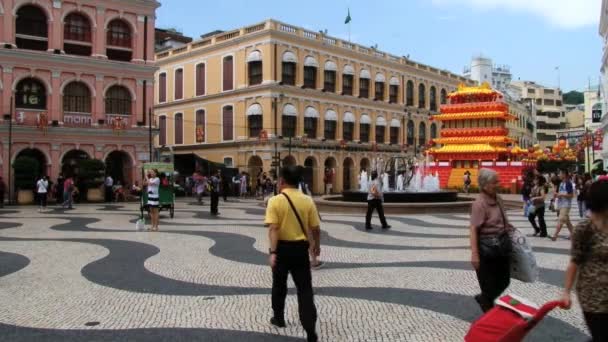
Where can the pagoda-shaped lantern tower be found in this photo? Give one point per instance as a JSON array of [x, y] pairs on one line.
[[474, 135]]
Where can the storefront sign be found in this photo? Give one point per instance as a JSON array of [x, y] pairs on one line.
[[76, 119], [598, 140]]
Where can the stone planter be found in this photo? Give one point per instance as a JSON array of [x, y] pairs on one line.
[[95, 195], [25, 197]]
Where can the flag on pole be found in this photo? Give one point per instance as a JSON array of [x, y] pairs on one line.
[[347, 20]]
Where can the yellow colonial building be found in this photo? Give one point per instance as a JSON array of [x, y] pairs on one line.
[[273, 91]]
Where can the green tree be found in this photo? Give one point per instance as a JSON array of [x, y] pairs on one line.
[[574, 97]]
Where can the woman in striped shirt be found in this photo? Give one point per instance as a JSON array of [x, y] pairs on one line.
[[153, 183]]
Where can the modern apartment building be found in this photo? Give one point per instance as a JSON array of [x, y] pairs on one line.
[[76, 82], [245, 96], [482, 70], [550, 114]]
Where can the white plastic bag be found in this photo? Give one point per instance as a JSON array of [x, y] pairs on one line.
[[140, 225], [523, 262]]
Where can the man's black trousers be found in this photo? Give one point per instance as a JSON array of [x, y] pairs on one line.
[[215, 198]]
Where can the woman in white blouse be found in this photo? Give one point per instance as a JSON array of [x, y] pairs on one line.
[[153, 183]]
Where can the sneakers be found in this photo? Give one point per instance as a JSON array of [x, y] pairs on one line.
[[318, 266], [386, 227], [278, 322], [368, 228], [312, 337]]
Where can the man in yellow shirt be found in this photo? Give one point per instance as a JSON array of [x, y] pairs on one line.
[[294, 234]]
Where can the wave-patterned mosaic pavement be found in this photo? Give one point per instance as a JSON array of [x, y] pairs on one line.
[[86, 275]]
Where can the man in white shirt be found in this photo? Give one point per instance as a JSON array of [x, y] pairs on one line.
[[109, 184], [42, 187]]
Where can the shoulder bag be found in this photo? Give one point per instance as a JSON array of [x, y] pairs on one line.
[[499, 245], [296, 213]]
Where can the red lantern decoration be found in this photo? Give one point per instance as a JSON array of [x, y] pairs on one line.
[[42, 122], [263, 135], [342, 144], [118, 125]]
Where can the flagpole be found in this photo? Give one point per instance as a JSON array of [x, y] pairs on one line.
[[349, 32]]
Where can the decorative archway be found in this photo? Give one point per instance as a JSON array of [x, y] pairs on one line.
[[289, 161], [39, 156], [309, 174], [348, 174], [364, 165], [69, 162], [329, 174], [119, 165]]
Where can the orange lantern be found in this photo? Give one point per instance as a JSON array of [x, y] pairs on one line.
[[263, 135]]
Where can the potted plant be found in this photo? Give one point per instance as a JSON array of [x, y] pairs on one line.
[[91, 175], [26, 169]]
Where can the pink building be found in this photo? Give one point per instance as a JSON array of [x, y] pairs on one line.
[[80, 77]]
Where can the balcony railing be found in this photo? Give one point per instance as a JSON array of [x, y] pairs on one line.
[[77, 32], [119, 38], [36, 28]]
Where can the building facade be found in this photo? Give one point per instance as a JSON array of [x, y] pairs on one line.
[[76, 81], [273, 91], [483, 70], [593, 122], [523, 129], [603, 31], [550, 114]]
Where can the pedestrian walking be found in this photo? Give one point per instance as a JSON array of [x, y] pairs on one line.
[[526, 190], [68, 192], [243, 184], [490, 241], [467, 181], [59, 188], [583, 190], [225, 185], [42, 189], [589, 265], [375, 198], [538, 195], [564, 203], [2, 190], [153, 184], [214, 192], [109, 184], [294, 234]]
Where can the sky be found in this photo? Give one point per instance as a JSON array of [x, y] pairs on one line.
[[542, 40]]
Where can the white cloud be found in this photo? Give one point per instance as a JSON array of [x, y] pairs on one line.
[[568, 14]]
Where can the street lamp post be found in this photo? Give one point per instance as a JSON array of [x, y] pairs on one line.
[[9, 116], [150, 132]]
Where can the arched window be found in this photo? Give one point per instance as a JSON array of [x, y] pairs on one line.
[[178, 129], [433, 98], [119, 41], [331, 124], [394, 130], [379, 87], [421, 95], [433, 131], [422, 134], [162, 127], [329, 77], [289, 120], [77, 35], [162, 87], [227, 123], [311, 117], [347, 80], [178, 84], [310, 72], [393, 90], [410, 132], [254, 67], [444, 96], [31, 31], [30, 94], [364, 127], [118, 100], [380, 130], [228, 73], [255, 120], [364, 77], [409, 93], [348, 126], [200, 132], [288, 68], [77, 98], [200, 79]]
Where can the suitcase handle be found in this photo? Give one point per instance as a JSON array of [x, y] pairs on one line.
[[545, 309]]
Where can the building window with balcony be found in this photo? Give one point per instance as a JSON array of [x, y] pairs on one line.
[[422, 134], [289, 121], [310, 72], [364, 82], [76, 98], [254, 67], [348, 126], [394, 131], [380, 130], [444, 96], [77, 35], [227, 73], [255, 120], [433, 131], [331, 125], [393, 90], [200, 79], [178, 128], [178, 84], [31, 31], [118, 100], [348, 80], [433, 98], [119, 41], [200, 131], [410, 132], [409, 93], [162, 87], [30, 94], [364, 128], [329, 77], [379, 87], [288, 68], [421, 96], [311, 116], [162, 130], [227, 123]]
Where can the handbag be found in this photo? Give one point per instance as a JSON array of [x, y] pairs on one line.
[[499, 245], [523, 261]]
